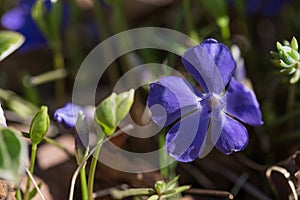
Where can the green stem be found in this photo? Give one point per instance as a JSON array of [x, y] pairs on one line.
[[102, 25], [31, 168], [189, 21], [83, 184], [112, 72], [164, 172], [83, 162], [18, 194], [93, 170], [223, 23]]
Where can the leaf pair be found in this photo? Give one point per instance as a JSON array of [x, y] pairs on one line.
[[112, 110]]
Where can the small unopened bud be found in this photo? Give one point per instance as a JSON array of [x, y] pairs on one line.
[[39, 125]]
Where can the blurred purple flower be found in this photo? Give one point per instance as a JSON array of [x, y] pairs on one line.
[[265, 7], [19, 19], [214, 111], [67, 115], [240, 70]]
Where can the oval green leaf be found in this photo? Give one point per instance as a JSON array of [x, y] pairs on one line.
[[13, 154], [9, 42]]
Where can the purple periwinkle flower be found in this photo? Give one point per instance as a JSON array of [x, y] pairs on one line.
[[213, 116], [67, 115]]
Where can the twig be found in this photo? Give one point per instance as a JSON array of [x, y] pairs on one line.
[[216, 193], [107, 191], [200, 177], [233, 177], [249, 163], [286, 174], [239, 184]]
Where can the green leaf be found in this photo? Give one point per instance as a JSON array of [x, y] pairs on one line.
[[182, 188], [9, 42], [2, 117], [295, 77], [39, 125], [49, 22], [55, 19], [13, 154], [21, 107], [172, 183], [294, 44], [278, 46], [154, 197], [112, 110], [175, 191], [38, 14], [120, 194]]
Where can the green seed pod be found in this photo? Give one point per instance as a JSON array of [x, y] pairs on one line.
[[39, 125]]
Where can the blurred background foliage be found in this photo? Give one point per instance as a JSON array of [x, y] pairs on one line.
[[72, 28]]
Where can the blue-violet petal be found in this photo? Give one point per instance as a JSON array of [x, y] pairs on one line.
[[242, 104], [170, 98]]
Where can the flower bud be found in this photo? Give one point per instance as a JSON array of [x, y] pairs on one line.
[[39, 125]]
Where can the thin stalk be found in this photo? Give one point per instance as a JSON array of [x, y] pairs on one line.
[[49, 76], [112, 72], [83, 162], [18, 194], [164, 172], [189, 21], [84, 190], [31, 168], [35, 184], [92, 171]]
